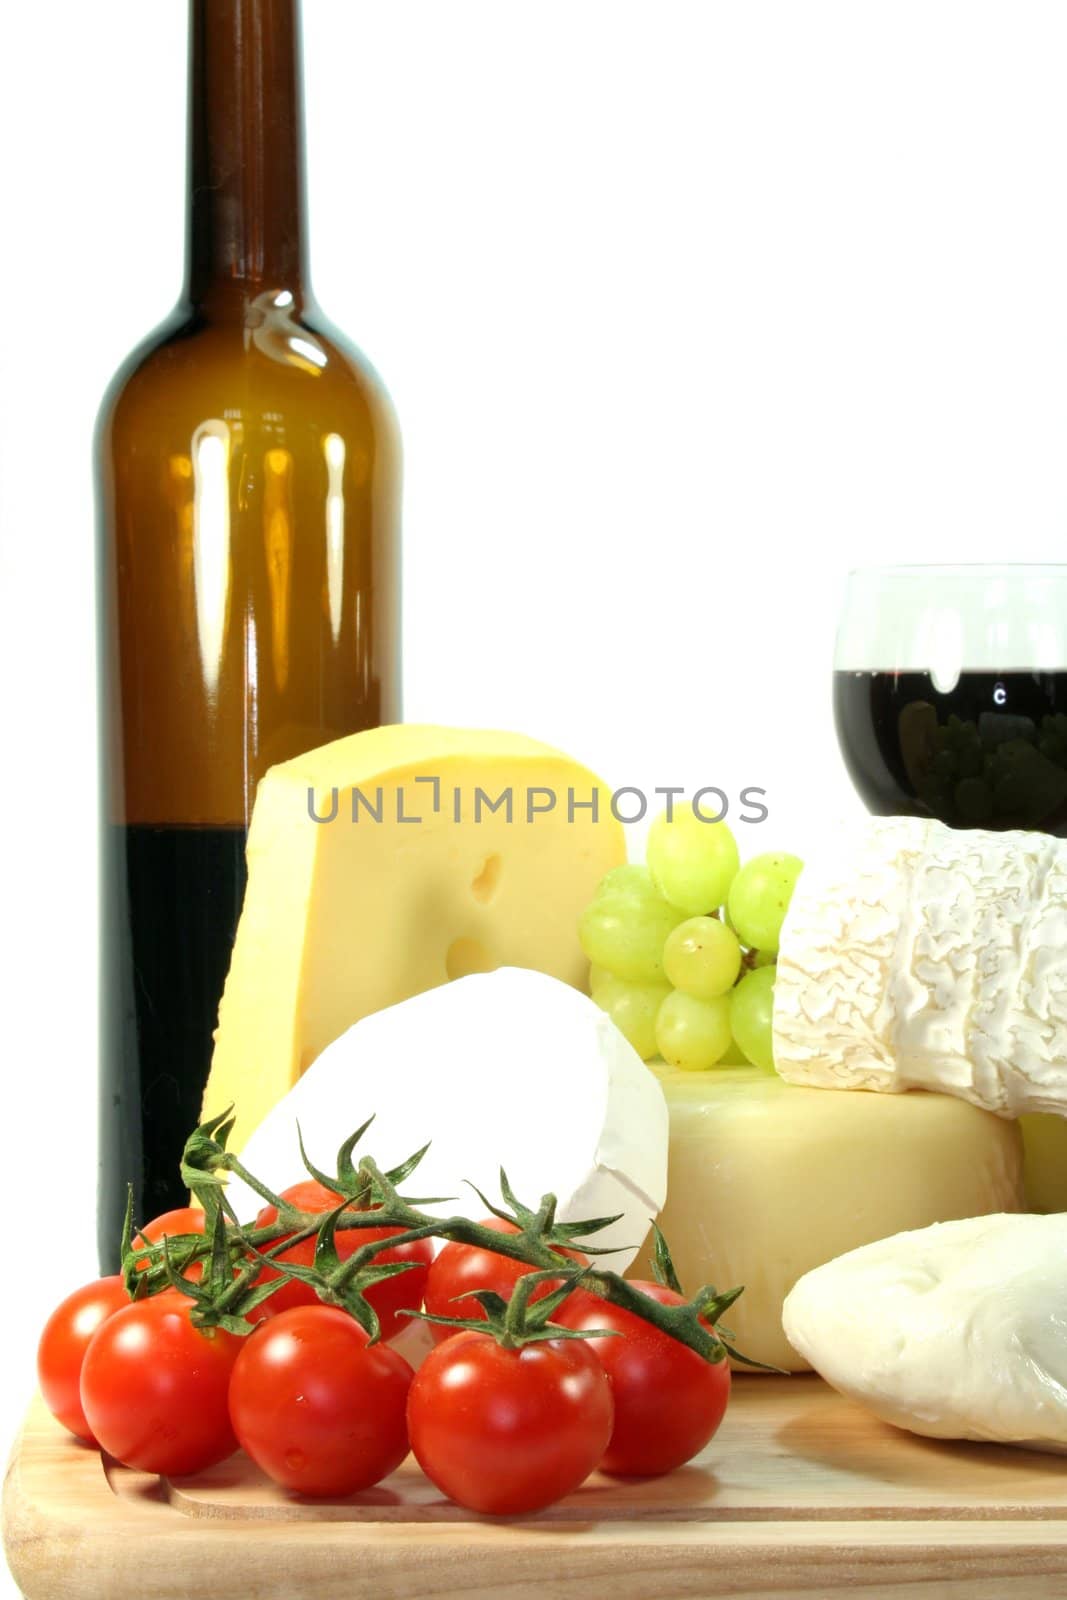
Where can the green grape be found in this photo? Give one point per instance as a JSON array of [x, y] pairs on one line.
[[633, 1008], [734, 1057], [759, 899], [702, 958], [599, 980], [751, 1016], [764, 958], [693, 862], [693, 1034], [626, 936], [627, 882]]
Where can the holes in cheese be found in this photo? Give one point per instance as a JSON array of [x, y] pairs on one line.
[[466, 957], [485, 884], [444, 852]]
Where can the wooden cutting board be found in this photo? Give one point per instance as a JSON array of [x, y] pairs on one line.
[[801, 1494]]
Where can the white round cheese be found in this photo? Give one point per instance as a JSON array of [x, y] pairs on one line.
[[956, 1331], [510, 1068], [767, 1181], [919, 956]]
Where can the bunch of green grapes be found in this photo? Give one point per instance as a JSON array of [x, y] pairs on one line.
[[683, 949]]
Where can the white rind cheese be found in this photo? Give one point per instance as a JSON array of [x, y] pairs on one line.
[[919, 956], [510, 1068], [956, 1331], [767, 1181]]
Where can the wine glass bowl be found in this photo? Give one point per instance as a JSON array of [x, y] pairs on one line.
[[950, 693]]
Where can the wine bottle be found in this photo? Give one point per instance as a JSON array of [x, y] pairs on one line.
[[247, 465]]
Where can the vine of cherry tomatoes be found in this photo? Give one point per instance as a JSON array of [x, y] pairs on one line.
[[502, 1423]]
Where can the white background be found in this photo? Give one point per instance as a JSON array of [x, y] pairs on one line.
[[686, 307]]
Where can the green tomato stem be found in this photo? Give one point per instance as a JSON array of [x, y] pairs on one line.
[[537, 1243]]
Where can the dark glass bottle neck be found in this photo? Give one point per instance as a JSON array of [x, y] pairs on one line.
[[245, 225]]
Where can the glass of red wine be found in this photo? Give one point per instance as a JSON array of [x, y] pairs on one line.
[[950, 693]]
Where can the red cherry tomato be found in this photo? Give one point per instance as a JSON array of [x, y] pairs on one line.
[[387, 1297], [669, 1401], [459, 1268], [154, 1387], [509, 1431], [185, 1219], [317, 1406], [63, 1345]]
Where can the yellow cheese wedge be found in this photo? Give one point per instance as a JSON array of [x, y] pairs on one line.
[[766, 1180], [446, 852]]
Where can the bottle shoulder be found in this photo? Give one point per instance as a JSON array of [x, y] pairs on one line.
[[141, 367], [271, 360]]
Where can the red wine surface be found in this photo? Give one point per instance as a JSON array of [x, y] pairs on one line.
[[991, 752]]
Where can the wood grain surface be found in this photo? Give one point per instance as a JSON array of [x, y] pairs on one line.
[[801, 1494]]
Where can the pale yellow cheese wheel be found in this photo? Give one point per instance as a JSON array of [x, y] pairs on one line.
[[767, 1180], [1045, 1160]]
